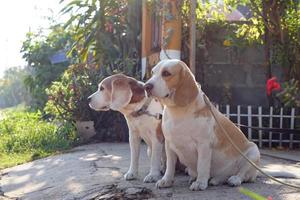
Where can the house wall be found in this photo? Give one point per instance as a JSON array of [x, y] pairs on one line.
[[234, 75]]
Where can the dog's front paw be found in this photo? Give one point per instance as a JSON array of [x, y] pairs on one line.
[[164, 183], [130, 176], [191, 180], [151, 178], [234, 181], [199, 185]]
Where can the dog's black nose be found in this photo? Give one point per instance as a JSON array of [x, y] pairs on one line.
[[148, 87]]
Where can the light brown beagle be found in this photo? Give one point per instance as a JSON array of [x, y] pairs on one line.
[[192, 135], [127, 95]]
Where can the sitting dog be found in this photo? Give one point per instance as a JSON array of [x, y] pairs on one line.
[[127, 95], [192, 134]]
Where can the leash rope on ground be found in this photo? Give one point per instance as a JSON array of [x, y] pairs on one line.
[[240, 152]]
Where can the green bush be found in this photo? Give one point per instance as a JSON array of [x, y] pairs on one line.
[[25, 133], [68, 97], [290, 94], [37, 49], [68, 101]]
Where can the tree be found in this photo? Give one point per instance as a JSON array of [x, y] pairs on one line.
[[107, 33], [12, 88], [277, 24], [37, 49]]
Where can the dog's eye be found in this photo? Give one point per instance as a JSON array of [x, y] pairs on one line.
[[165, 73], [101, 88]]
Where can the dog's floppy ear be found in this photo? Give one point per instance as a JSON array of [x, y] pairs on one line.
[[187, 89], [121, 94], [138, 92]]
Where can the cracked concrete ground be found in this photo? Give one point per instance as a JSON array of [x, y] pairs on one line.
[[96, 172]]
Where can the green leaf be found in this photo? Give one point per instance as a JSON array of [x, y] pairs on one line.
[[251, 194]]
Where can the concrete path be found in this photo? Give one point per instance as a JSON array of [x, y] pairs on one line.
[[96, 172], [290, 155]]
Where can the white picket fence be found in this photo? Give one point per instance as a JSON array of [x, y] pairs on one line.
[[265, 118]]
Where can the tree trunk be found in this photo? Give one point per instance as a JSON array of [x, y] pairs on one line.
[[192, 56], [267, 40], [134, 16]]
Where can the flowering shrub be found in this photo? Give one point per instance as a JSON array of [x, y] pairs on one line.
[[67, 101], [271, 85], [67, 98], [290, 94]]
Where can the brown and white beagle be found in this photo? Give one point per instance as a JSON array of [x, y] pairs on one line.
[[127, 95], [192, 134]]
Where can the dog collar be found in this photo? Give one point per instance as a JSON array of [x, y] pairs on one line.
[[143, 111]]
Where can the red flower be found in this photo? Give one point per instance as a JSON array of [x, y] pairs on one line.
[[272, 84], [269, 198]]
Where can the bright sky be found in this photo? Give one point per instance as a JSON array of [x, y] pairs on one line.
[[17, 17]]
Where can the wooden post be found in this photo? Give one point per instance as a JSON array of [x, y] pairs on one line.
[[292, 127], [271, 126], [249, 122], [260, 133], [239, 115], [280, 126], [228, 111], [192, 58], [146, 36], [171, 31]]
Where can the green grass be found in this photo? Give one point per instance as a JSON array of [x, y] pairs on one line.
[[25, 136], [13, 159]]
